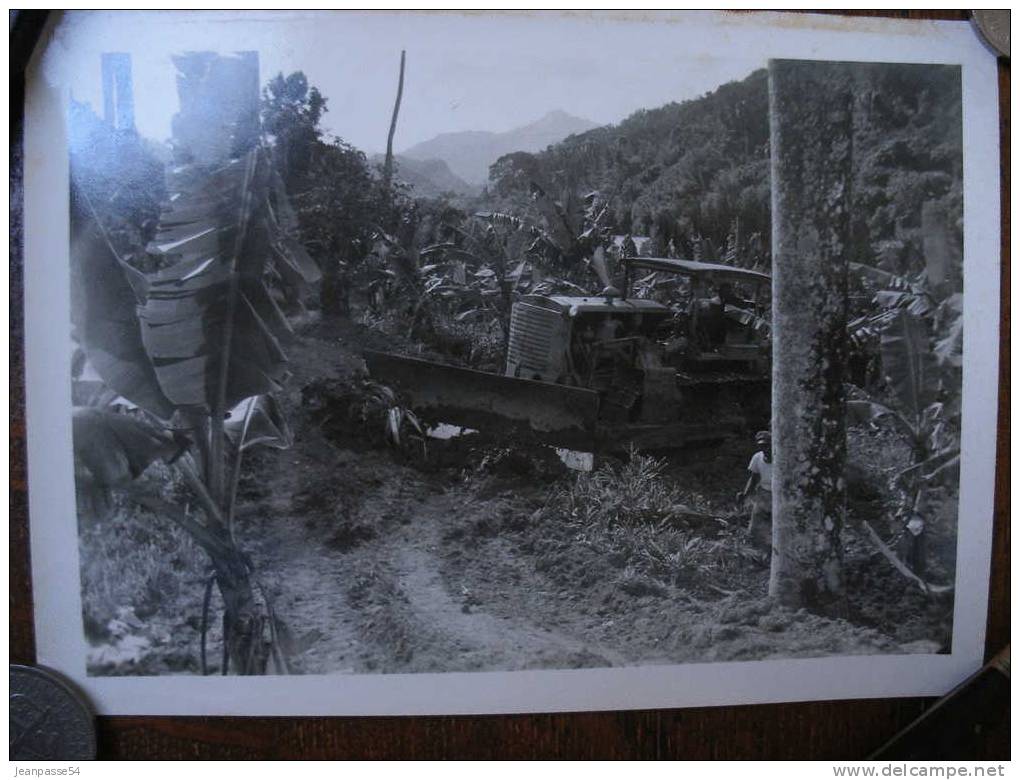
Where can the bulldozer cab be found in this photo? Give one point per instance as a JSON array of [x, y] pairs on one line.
[[720, 314]]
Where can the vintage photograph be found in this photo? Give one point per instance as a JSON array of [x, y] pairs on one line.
[[434, 343]]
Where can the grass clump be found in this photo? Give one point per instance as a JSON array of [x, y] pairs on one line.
[[641, 521], [629, 494], [140, 575]]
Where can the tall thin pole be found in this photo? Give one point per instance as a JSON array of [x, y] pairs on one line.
[[811, 117], [388, 166]]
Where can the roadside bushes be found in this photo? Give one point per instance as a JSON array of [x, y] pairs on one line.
[[364, 412], [645, 525]]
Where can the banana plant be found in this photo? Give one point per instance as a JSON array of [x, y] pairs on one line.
[[917, 408], [931, 292], [576, 229], [402, 272], [197, 348], [917, 325], [491, 261]]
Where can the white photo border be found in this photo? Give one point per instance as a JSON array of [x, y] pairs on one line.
[[60, 639]]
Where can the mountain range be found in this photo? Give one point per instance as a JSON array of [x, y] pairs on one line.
[[470, 153]]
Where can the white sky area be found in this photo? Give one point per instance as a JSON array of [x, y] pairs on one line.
[[465, 71]]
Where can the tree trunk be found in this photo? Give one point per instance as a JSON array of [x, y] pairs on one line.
[[811, 116], [388, 164], [504, 316], [243, 621], [246, 649]]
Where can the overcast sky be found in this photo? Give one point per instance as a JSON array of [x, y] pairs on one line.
[[464, 71]]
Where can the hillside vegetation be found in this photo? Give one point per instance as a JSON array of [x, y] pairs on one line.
[[431, 178], [697, 173]]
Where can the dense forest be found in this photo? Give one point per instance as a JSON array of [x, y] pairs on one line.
[[696, 174]]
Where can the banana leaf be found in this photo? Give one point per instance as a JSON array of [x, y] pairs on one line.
[[105, 294], [949, 349], [909, 364], [217, 228], [202, 209], [870, 412], [258, 420], [292, 260], [294, 263], [941, 467], [184, 321], [879, 276], [555, 219], [499, 218], [284, 211], [114, 449]]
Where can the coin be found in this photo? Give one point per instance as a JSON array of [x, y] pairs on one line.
[[49, 720], [994, 28]]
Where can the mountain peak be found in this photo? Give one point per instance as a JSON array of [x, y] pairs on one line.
[[560, 118], [558, 113]]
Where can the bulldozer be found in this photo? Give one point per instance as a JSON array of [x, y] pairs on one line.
[[680, 355]]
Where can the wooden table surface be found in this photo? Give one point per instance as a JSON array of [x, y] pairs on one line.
[[818, 730]]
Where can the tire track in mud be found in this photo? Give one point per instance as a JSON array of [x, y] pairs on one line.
[[303, 572], [478, 635]]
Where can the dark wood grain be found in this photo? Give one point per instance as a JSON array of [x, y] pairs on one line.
[[820, 730], [997, 635], [24, 32], [961, 725]]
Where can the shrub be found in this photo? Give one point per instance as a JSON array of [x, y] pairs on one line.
[[631, 513]]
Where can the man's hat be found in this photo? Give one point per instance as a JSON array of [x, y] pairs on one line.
[[763, 436]]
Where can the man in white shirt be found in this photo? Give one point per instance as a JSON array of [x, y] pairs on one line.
[[759, 489]]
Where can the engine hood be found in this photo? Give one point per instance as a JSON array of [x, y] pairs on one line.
[[572, 305]]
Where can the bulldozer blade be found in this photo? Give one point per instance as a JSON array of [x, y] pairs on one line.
[[550, 413]]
